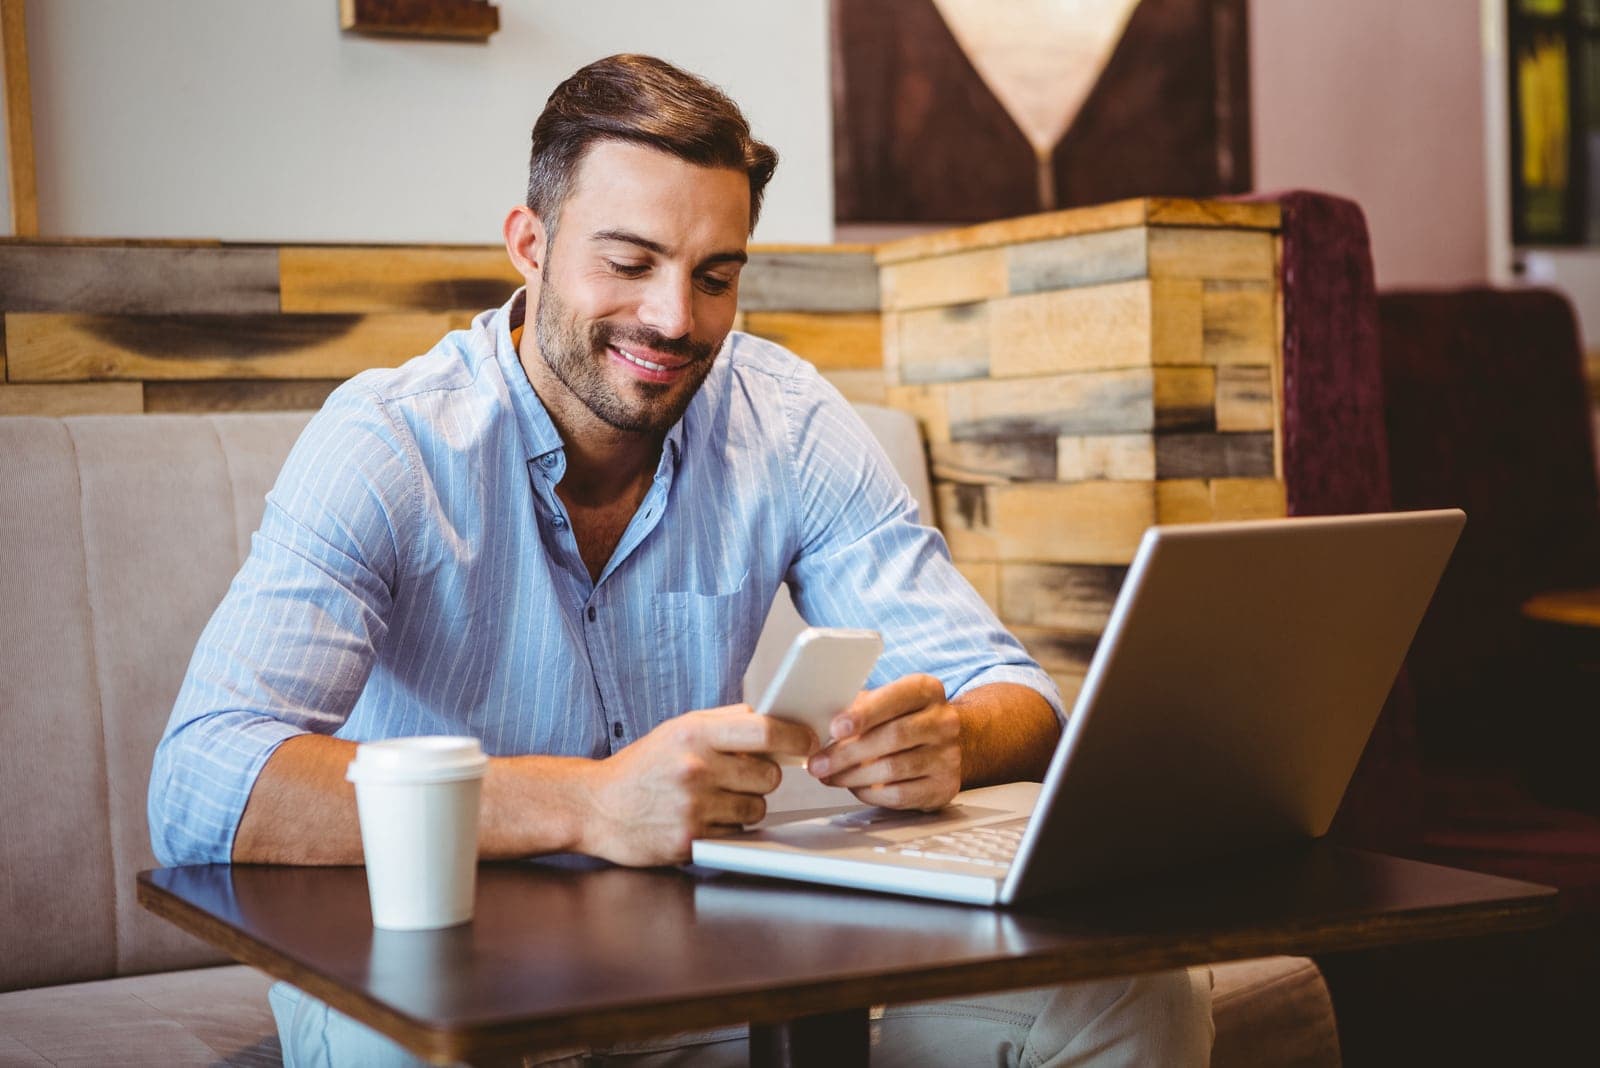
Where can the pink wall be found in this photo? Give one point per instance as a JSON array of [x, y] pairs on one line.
[[1380, 101]]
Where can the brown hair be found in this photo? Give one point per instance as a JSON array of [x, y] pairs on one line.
[[647, 101]]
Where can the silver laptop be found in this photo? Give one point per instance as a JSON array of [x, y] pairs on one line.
[[1233, 690]]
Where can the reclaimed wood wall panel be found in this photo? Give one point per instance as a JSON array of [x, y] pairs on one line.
[[138, 280], [229, 327], [239, 395], [842, 278], [833, 342], [97, 348], [1080, 376], [99, 398], [395, 279]]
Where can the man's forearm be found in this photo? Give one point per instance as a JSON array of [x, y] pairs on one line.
[[302, 811], [1008, 734]]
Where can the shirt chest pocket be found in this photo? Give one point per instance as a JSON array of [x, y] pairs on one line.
[[701, 642]]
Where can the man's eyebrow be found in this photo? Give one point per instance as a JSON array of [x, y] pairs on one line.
[[628, 237]]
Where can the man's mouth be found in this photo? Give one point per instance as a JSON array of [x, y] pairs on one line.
[[649, 365]]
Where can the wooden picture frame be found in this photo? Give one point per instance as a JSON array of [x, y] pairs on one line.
[[449, 20]]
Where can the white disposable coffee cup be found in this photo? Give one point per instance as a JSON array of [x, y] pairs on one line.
[[418, 803]]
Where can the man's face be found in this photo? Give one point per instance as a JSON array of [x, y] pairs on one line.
[[641, 283]]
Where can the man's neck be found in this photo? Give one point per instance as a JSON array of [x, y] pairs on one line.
[[605, 466]]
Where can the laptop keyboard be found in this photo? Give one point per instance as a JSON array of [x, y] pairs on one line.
[[989, 846]]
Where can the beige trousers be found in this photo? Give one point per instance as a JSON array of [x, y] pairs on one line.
[[1148, 1020]]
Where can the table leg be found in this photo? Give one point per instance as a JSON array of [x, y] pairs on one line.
[[834, 1039]]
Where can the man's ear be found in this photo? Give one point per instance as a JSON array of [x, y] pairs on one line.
[[527, 242]]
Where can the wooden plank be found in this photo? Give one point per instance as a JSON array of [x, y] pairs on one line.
[[1185, 398], [114, 242], [1202, 501], [366, 279], [1244, 398], [1239, 325], [1072, 596], [1249, 498], [964, 520], [984, 579], [860, 387], [1212, 255], [957, 279], [1103, 327], [842, 342], [449, 20], [818, 279], [68, 348], [1119, 457], [1080, 260], [1183, 500], [1097, 402], [1008, 460], [928, 404], [132, 280], [238, 396], [1214, 456], [19, 119], [72, 398], [1070, 522], [1117, 215], [944, 344]]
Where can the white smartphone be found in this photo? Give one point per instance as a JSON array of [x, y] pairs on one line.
[[820, 675]]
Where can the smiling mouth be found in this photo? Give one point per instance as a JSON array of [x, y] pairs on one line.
[[640, 361]]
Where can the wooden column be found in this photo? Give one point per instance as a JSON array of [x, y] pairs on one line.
[[1081, 375], [19, 119]]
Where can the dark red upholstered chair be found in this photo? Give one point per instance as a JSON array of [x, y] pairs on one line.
[[1487, 409]]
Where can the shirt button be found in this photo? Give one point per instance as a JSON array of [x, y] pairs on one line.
[[616, 730], [558, 522], [591, 620], [548, 461]]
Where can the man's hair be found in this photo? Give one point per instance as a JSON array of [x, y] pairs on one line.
[[646, 101]]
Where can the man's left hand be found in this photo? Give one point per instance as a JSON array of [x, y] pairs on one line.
[[898, 746]]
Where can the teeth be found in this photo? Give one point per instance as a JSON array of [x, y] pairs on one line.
[[631, 358]]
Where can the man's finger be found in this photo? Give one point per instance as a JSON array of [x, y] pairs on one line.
[[897, 767], [736, 729], [873, 708]]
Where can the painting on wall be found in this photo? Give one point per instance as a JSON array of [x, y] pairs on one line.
[[951, 111]]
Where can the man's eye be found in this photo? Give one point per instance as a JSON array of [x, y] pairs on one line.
[[627, 270], [714, 285]]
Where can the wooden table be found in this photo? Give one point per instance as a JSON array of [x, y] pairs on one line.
[[569, 953], [1572, 608]]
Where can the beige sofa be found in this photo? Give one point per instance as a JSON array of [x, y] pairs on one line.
[[118, 536]]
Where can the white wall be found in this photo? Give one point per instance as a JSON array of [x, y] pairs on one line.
[[1383, 102], [258, 120]]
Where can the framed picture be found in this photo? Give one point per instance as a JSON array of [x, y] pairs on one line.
[[966, 110]]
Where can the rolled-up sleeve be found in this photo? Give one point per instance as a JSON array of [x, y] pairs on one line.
[[866, 561], [291, 645]]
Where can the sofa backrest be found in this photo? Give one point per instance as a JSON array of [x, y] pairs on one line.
[[118, 537]]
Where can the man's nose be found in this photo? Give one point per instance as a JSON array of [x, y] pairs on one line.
[[668, 306]]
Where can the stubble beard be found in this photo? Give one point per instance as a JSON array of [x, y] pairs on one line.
[[577, 356]]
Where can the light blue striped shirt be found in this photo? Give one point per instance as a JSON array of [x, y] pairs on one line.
[[415, 573]]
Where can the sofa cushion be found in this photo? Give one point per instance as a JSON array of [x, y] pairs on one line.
[[118, 536], [198, 1016], [55, 849]]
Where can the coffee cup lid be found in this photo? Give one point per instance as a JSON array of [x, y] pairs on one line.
[[429, 758]]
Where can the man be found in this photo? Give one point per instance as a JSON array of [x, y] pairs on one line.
[[564, 540]]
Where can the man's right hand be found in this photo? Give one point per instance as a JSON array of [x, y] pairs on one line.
[[700, 774]]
